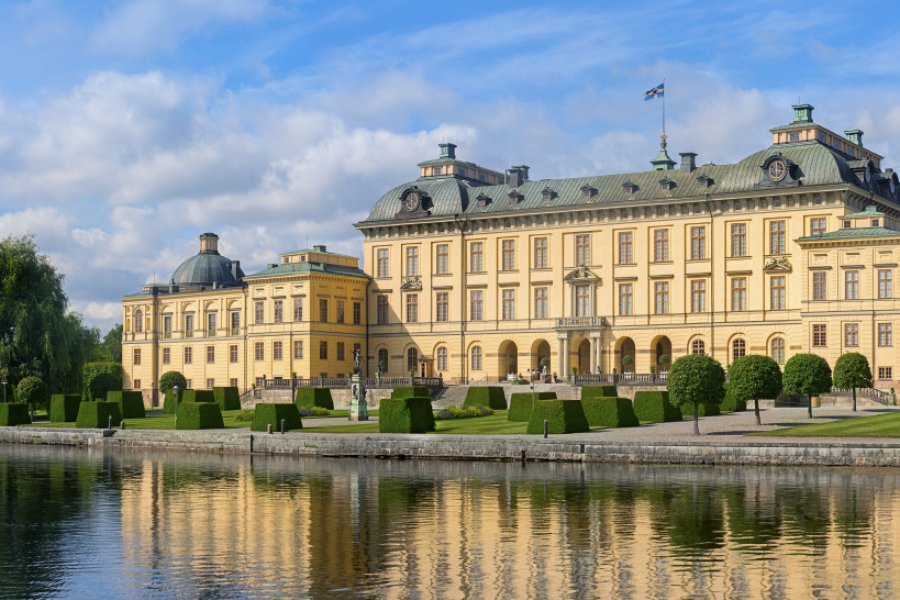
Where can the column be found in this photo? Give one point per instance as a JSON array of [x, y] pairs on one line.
[[595, 353], [563, 361]]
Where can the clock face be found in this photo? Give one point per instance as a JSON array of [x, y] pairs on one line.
[[411, 201], [777, 170]]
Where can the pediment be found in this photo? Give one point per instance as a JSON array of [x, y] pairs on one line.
[[778, 264], [411, 284], [581, 274]]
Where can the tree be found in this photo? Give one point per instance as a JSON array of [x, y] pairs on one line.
[[807, 374], [101, 377], [32, 391], [753, 377], [112, 343], [696, 379], [170, 379], [852, 371]]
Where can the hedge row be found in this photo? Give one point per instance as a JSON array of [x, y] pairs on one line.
[[730, 404], [493, 397], [562, 416], [199, 415], [405, 415], [309, 397], [131, 403], [411, 391], [609, 412], [598, 391], [520, 404], [14, 413], [191, 395], [64, 408], [96, 414], [227, 398], [655, 407], [272, 414]]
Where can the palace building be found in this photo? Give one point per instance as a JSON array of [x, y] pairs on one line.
[[477, 273]]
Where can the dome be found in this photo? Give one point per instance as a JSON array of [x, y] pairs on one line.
[[208, 267]]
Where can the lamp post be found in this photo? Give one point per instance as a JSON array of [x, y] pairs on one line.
[[175, 395], [422, 360], [531, 377]]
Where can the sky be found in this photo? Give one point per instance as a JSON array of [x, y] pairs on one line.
[[129, 128]]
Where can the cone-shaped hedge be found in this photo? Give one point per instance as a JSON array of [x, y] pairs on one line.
[[520, 404], [309, 397], [199, 415], [493, 397], [64, 408], [131, 403], [272, 414], [609, 412], [654, 407], [95, 415], [14, 413], [405, 415], [169, 401], [227, 398], [563, 416]]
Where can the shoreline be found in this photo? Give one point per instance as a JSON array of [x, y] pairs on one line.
[[571, 448]]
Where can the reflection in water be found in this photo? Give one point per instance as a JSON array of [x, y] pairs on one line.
[[95, 524]]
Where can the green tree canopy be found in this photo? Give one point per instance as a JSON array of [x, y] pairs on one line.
[[170, 379], [32, 391], [112, 343], [753, 377], [807, 374], [101, 377], [852, 371], [696, 379]]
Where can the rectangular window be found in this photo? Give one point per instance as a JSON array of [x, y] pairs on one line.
[[357, 313], [233, 382], [259, 352], [442, 307], [698, 295], [210, 324], [442, 259], [508, 255], [188, 356], [738, 239], [258, 312], [851, 285], [278, 313], [509, 305], [540, 303], [381, 263], [233, 353], [476, 305], [777, 293], [412, 308], [851, 334], [626, 299], [820, 335], [817, 226], [698, 242], [885, 283], [339, 309], [188, 325], [540, 253], [210, 383], [582, 301], [476, 257], [136, 355], [582, 249], [381, 310], [885, 334], [340, 350], [819, 285], [298, 309], [235, 322], [137, 384], [323, 350], [210, 354], [298, 348], [738, 293], [660, 245], [167, 356], [412, 261], [885, 373], [167, 326], [277, 351], [323, 310], [661, 297], [626, 248], [776, 237]]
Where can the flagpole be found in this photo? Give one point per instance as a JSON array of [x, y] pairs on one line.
[[664, 107]]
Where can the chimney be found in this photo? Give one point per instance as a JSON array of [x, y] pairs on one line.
[[321, 248], [209, 243], [803, 113], [448, 150], [854, 135], [688, 161], [236, 269], [517, 175]]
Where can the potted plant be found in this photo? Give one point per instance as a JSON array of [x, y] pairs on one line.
[[627, 361], [663, 360]]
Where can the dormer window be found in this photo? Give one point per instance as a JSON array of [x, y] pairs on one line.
[[548, 194], [704, 182], [515, 197], [876, 223], [630, 187], [847, 224], [666, 183], [588, 191], [482, 200]]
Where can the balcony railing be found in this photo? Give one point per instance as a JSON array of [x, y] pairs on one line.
[[580, 322], [344, 382]]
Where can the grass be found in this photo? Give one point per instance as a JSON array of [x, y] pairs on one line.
[[887, 425], [492, 424]]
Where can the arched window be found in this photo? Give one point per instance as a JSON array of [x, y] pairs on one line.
[[738, 348], [698, 346], [412, 357], [138, 321], [441, 359], [382, 365], [776, 350], [475, 363]]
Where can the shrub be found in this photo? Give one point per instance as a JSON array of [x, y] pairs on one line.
[[654, 407], [199, 415], [191, 395], [696, 380], [709, 410], [455, 412], [245, 416], [520, 405], [492, 397], [851, 371], [32, 391], [609, 412], [314, 411], [169, 401], [307, 397], [598, 391], [227, 398], [752, 377], [96, 414], [806, 374], [131, 404], [14, 413], [405, 415], [64, 408], [410, 391], [170, 379], [562, 416], [272, 414], [101, 377], [730, 403]]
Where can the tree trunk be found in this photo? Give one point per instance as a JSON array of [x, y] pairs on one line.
[[809, 404], [854, 399], [756, 410], [696, 419]]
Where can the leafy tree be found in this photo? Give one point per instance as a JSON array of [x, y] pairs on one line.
[[112, 343], [753, 377], [101, 377], [170, 379], [852, 371], [696, 379], [32, 391], [807, 374]]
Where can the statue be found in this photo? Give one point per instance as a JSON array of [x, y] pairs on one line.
[[356, 354]]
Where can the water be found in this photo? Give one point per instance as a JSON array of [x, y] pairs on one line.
[[80, 523]]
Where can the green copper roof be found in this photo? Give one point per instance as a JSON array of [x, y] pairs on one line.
[[852, 233], [207, 268], [307, 268], [870, 211]]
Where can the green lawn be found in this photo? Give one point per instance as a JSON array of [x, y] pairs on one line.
[[887, 425], [491, 424]]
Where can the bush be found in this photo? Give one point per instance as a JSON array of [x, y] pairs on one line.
[[14, 413], [730, 403], [455, 412], [563, 416], [308, 397], [199, 415], [520, 405], [101, 377], [169, 401], [709, 410], [96, 414], [64, 408], [492, 397], [410, 391], [314, 411], [227, 398], [609, 412], [405, 415], [170, 379], [272, 414], [245, 416], [654, 407], [598, 391], [32, 391], [191, 395], [131, 404]]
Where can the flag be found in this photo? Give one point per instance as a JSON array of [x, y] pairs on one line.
[[657, 92]]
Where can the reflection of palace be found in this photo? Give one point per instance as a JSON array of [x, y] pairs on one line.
[[484, 273]]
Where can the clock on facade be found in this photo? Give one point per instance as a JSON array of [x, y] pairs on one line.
[[411, 201], [777, 170]]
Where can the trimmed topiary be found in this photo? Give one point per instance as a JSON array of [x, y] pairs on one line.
[[96, 414], [609, 412], [131, 403], [227, 398], [199, 415], [520, 404], [405, 415], [730, 403], [272, 414], [562, 416], [14, 413], [410, 391], [598, 391], [191, 395], [101, 377], [169, 401], [709, 410], [492, 397], [309, 397], [654, 407], [64, 408]]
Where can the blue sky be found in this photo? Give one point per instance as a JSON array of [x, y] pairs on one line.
[[129, 128]]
